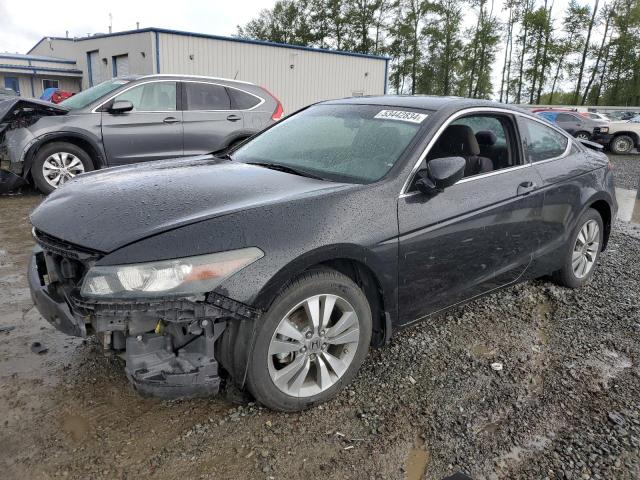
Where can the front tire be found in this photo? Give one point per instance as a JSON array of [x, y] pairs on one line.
[[622, 144], [310, 343], [583, 136], [58, 162], [583, 251]]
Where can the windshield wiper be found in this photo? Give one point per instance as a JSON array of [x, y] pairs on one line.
[[287, 169], [223, 155]]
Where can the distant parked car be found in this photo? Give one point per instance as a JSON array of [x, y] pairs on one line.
[[596, 116], [622, 115], [573, 123], [128, 120]]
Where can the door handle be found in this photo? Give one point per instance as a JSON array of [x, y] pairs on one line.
[[525, 188], [171, 120], [234, 118]]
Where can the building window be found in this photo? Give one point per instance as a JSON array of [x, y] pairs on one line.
[[48, 83], [120, 65]]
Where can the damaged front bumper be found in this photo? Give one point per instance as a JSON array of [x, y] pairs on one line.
[[169, 345]]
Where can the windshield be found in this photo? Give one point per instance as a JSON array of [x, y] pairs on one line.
[[347, 143], [84, 98]]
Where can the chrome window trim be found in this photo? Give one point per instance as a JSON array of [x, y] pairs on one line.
[[180, 76], [168, 79], [404, 191]]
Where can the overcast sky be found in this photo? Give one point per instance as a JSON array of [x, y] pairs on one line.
[[24, 22]]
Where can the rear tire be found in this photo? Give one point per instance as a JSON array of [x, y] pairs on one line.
[[621, 144], [58, 162], [582, 251], [323, 356]]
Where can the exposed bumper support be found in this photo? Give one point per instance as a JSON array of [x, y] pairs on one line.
[[10, 181], [155, 369], [169, 344]]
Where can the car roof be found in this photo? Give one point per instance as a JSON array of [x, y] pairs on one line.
[[177, 76], [423, 102]]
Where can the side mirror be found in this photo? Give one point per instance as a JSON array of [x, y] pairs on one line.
[[440, 174], [121, 106]]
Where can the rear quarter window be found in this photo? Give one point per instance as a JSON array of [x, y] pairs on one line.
[[541, 142], [241, 100]]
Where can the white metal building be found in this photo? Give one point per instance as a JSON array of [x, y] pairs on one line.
[[30, 75], [297, 75]]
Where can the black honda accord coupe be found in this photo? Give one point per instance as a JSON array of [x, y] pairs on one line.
[[278, 264]]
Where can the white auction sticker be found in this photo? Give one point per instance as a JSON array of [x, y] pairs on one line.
[[401, 115]]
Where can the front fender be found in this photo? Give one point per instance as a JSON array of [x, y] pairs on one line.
[[32, 146], [329, 253]]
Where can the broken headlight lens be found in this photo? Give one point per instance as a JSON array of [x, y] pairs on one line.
[[178, 277]]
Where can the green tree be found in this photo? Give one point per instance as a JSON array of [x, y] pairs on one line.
[[441, 66], [576, 17], [623, 79], [480, 52], [585, 51]]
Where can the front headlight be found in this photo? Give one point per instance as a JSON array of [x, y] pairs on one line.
[[178, 277], [604, 129]]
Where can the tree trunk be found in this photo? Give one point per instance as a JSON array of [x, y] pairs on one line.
[[474, 57], [598, 59], [576, 95], [506, 52], [522, 55], [545, 51]]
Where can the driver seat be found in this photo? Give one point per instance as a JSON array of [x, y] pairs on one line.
[[459, 141]]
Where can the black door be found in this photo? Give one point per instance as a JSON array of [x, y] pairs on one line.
[[478, 234], [563, 167]]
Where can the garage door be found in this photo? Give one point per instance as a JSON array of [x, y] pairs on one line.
[[95, 72], [121, 64]]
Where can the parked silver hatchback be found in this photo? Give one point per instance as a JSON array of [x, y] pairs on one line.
[[128, 120]]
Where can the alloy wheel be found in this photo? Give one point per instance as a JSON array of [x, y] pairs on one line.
[[313, 345], [586, 249], [622, 145], [582, 136], [61, 167]]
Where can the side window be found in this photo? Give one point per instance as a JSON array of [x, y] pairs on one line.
[[542, 142], [565, 117], [206, 96], [151, 97], [485, 141], [548, 116], [242, 100]]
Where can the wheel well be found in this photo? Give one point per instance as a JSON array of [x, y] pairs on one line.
[[633, 135], [96, 158], [364, 277], [603, 208]]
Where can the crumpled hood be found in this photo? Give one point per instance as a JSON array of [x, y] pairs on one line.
[[108, 209], [9, 105]]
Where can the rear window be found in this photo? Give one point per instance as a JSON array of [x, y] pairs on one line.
[[241, 100], [206, 96]]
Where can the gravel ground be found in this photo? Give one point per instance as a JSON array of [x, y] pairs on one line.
[[565, 405], [627, 170]]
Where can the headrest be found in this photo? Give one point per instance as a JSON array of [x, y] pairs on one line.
[[486, 137], [458, 140]]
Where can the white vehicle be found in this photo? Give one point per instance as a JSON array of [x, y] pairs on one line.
[[596, 116]]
